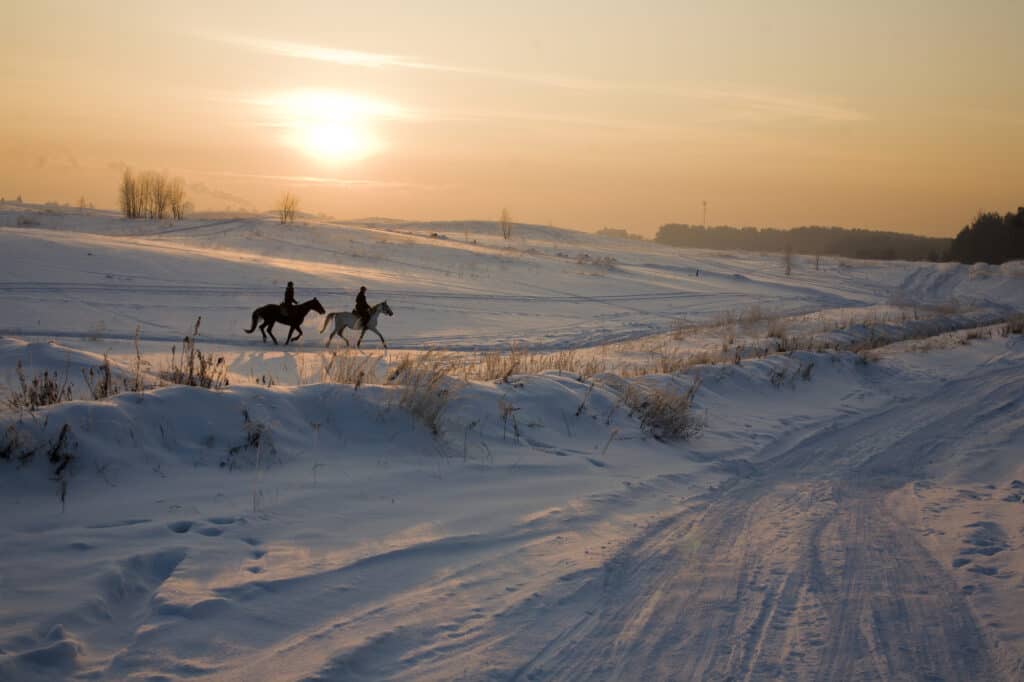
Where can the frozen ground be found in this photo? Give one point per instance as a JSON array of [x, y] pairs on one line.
[[840, 515]]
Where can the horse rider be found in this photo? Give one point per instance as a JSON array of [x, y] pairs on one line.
[[362, 308], [289, 298]]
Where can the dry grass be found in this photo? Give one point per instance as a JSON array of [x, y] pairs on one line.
[[41, 390], [777, 328], [425, 388], [340, 367], [192, 367], [100, 380], [662, 412], [1014, 325], [519, 360], [670, 362]]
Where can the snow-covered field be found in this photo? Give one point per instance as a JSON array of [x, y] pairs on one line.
[[850, 509]]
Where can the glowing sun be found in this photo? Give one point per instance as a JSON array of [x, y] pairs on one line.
[[331, 127]]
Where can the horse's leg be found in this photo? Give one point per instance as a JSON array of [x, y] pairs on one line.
[[374, 330], [328, 344], [298, 329], [361, 335], [263, 333], [289, 337], [342, 335], [270, 330]]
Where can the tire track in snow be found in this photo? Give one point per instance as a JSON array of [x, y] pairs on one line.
[[797, 574]]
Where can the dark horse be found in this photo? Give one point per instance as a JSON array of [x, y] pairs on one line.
[[289, 315]]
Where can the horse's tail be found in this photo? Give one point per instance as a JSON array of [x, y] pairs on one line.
[[255, 321], [327, 319]]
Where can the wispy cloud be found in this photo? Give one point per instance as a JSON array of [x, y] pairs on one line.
[[378, 60], [327, 54], [780, 105], [349, 183], [741, 103]]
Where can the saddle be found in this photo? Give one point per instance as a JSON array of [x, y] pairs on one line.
[[362, 317]]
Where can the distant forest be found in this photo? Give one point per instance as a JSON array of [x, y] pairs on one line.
[[832, 241], [991, 238]]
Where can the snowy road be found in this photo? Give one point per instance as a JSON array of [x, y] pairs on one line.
[[798, 571]]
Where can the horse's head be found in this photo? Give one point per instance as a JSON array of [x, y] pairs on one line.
[[315, 305], [386, 309]]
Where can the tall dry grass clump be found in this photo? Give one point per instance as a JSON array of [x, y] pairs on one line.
[[663, 412], [1014, 325], [192, 367], [424, 387], [498, 365], [346, 368], [777, 328], [41, 390]]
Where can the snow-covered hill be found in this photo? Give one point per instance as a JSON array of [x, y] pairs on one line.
[[833, 514]]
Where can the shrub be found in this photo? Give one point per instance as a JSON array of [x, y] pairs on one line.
[[506, 224], [42, 390], [257, 447], [424, 387], [192, 367], [663, 412], [286, 207], [100, 380], [347, 368]]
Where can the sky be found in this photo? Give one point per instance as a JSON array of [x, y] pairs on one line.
[[905, 116]]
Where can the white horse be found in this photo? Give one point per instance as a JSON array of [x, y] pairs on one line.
[[353, 321]]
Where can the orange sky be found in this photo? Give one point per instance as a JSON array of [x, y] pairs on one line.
[[890, 115]]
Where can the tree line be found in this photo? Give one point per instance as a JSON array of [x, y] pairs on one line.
[[152, 195], [991, 238], [812, 240]]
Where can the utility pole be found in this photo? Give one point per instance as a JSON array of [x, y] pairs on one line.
[[705, 203]]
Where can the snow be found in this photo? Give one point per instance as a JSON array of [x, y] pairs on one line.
[[847, 510]]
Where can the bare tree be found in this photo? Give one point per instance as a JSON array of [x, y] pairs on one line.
[[286, 208], [144, 182], [176, 198], [787, 259], [157, 196], [506, 224], [131, 204], [150, 195], [817, 262]]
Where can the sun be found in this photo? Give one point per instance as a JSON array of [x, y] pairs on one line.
[[333, 141], [331, 127]]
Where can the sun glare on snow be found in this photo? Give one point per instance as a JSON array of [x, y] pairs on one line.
[[331, 127]]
